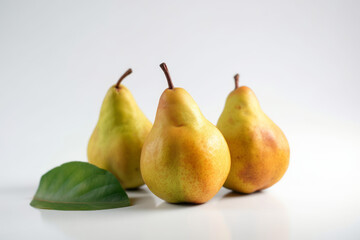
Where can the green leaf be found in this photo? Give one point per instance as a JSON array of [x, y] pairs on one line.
[[79, 186]]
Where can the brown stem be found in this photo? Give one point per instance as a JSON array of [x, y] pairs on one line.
[[168, 78], [128, 72], [236, 77]]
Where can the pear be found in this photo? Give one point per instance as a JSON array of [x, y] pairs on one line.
[[185, 158], [259, 149], [119, 135]]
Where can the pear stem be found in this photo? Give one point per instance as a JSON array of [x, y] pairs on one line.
[[236, 77], [128, 72], [168, 78]]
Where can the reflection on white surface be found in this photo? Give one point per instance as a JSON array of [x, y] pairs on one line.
[[149, 217], [227, 216], [256, 216], [277, 213]]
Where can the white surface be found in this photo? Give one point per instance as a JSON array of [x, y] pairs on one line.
[[302, 58], [272, 214]]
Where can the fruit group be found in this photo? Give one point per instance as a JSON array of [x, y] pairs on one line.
[[259, 149], [185, 158], [116, 142]]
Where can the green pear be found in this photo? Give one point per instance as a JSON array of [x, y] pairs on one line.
[[119, 135], [185, 158], [259, 149]]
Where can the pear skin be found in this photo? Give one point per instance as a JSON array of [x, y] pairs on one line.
[[185, 158], [119, 135], [259, 149]]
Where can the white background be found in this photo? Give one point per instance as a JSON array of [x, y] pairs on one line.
[[302, 59]]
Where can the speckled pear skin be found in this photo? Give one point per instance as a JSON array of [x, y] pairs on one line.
[[185, 158], [119, 135], [259, 149]]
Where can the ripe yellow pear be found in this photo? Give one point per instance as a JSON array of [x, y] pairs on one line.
[[259, 149], [185, 158], [116, 142]]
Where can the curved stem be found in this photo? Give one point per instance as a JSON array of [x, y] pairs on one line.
[[236, 77], [168, 78], [128, 72]]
